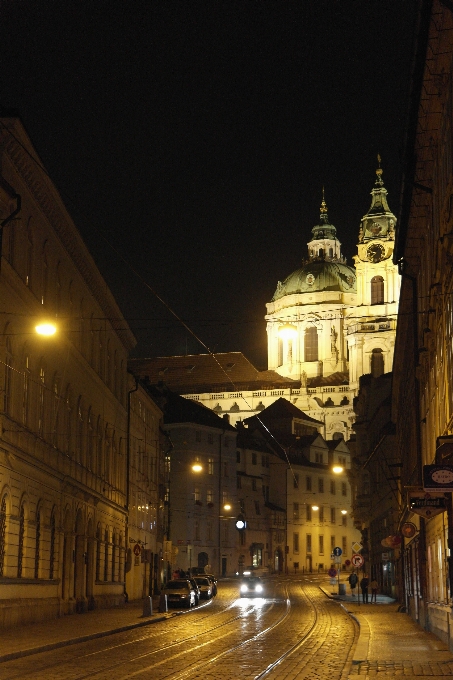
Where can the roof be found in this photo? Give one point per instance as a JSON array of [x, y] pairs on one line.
[[282, 408], [177, 409], [272, 506], [207, 373], [318, 275]]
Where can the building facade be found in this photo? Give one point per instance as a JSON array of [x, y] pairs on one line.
[[63, 411], [422, 394]]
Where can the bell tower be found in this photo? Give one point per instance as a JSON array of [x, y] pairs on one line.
[[372, 325]]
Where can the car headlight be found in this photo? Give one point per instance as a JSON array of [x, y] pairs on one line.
[[244, 589], [184, 596], [259, 589]]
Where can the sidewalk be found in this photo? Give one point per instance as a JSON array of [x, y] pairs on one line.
[[390, 643], [69, 630]]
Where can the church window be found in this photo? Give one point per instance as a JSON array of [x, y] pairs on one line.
[[321, 252], [377, 290], [330, 252], [377, 363], [311, 344]]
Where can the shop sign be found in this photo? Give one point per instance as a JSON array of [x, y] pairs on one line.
[[438, 478], [427, 504]]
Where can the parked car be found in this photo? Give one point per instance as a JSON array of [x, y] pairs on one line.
[[196, 589], [213, 579], [251, 586], [205, 585], [180, 592]]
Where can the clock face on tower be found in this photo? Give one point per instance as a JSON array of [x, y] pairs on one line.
[[375, 253]]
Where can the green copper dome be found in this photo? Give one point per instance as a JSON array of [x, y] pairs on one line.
[[316, 276]]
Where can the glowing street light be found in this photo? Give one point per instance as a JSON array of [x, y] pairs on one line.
[[46, 328], [196, 467], [314, 507], [227, 506], [344, 512], [337, 469]]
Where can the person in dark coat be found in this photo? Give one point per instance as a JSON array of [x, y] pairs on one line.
[[364, 587], [353, 582]]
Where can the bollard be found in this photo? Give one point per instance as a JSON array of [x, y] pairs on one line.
[[148, 606], [341, 589], [163, 606]]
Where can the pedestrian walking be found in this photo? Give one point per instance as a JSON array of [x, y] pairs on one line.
[[374, 585], [352, 582], [364, 587]]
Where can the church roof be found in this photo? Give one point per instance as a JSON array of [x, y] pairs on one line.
[[207, 373], [318, 275]]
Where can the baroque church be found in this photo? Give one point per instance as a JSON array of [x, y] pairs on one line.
[[328, 323]]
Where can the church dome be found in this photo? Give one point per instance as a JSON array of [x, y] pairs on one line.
[[325, 269], [316, 276]]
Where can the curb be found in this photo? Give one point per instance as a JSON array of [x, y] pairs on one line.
[[83, 638]]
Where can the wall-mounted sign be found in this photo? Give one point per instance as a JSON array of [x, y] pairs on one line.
[[438, 478], [408, 529], [427, 504]]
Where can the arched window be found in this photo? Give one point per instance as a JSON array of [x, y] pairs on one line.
[[7, 393], [321, 252], [37, 541], [280, 352], [2, 534], [113, 556], [90, 440], [311, 344], [377, 363], [106, 555], [330, 252], [20, 543], [377, 290], [98, 553], [52, 545]]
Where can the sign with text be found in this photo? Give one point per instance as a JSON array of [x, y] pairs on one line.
[[427, 504], [438, 478]]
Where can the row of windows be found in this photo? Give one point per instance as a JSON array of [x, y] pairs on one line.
[[41, 404], [32, 553], [319, 513], [321, 544], [309, 485], [264, 460], [90, 333]]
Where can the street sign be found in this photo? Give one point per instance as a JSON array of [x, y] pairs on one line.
[[137, 549], [337, 552], [427, 504], [347, 562], [337, 559], [356, 547], [332, 572], [357, 560]]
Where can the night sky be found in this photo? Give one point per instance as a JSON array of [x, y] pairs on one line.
[[194, 139]]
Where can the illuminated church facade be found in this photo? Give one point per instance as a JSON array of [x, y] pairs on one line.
[[328, 323]]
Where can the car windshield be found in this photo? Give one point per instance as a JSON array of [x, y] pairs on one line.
[[177, 585], [252, 580], [202, 581]]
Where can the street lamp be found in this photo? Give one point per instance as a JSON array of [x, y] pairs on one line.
[[196, 467], [344, 512], [46, 328], [314, 507], [287, 332], [337, 469]]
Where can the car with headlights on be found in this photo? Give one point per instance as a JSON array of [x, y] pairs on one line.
[[205, 586], [251, 586], [180, 592], [213, 580]]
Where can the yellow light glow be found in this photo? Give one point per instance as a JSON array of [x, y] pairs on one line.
[[344, 512], [337, 469], [197, 467], [46, 328], [287, 331], [314, 507], [227, 506]]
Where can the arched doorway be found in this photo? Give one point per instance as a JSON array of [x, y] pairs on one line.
[[90, 565], [203, 559], [67, 562]]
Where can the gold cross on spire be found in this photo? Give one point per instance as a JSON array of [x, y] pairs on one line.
[[323, 204]]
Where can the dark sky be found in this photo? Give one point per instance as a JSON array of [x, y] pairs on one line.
[[195, 138]]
